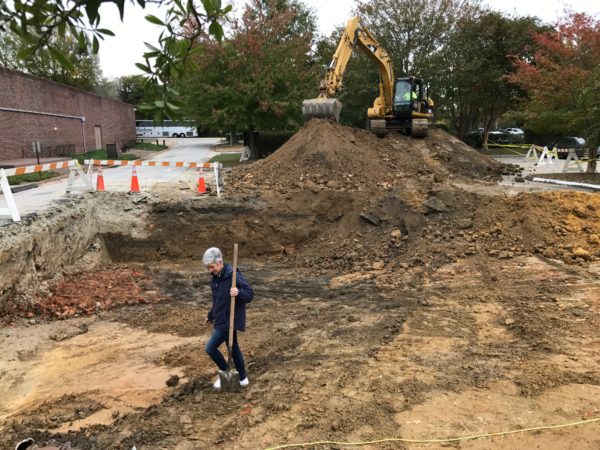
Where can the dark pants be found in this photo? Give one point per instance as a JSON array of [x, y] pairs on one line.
[[212, 348]]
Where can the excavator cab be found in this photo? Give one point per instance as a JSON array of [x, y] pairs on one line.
[[412, 108]]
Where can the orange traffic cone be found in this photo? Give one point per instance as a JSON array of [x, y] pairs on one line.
[[135, 186], [100, 179], [201, 182]]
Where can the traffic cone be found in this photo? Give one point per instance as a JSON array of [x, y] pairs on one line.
[[201, 182], [100, 179], [135, 186]]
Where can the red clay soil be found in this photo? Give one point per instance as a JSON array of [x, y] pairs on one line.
[[85, 294]]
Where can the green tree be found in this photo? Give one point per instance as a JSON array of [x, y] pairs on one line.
[[415, 32], [257, 78], [82, 72], [478, 89], [37, 21], [131, 89]]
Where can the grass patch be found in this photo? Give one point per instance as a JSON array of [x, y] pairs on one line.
[[149, 146], [31, 177], [100, 154], [227, 159]]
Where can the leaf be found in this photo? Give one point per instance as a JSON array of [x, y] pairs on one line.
[[155, 20], [26, 52], [146, 106], [216, 30], [143, 67], [105, 31], [91, 8], [151, 47], [121, 5], [159, 103], [95, 45], [61, 58], [209, 6], [150, 55], [81, 41]]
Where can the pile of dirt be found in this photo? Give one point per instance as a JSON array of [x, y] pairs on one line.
[[394, 203], [324, 155], [461, 225]]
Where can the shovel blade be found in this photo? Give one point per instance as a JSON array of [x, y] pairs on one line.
[[230, 381]]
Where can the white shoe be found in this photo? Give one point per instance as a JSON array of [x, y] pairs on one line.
[[245, 382], [217, 384]]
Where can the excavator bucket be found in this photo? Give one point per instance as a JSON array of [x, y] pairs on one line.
[[325, 108]]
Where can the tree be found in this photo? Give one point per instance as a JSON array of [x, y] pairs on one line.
[[479, 89], [37, 21], [415, 32], [131, 89], [257, 78], [562, 80], [83, 71]]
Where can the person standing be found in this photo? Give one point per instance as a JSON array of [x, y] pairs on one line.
[[222, 291]]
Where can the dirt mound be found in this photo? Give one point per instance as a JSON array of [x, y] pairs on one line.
[[460, 225], [326, 155], [394, 202]]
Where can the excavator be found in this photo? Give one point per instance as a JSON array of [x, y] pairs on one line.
[[402, 104]]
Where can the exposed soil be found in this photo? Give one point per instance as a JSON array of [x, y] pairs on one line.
[[391, 301]]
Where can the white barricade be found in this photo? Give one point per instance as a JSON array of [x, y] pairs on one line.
[[11, 209], [547, 157], [572, 156]]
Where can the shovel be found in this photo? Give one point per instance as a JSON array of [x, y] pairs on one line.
[[230, 378]]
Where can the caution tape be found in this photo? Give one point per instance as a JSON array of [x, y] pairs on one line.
[[510, 145], [40, 168], [137, 162]]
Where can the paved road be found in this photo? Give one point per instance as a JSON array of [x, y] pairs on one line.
[[118, 179]]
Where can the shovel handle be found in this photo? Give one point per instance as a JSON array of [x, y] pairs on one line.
[[232, 306]]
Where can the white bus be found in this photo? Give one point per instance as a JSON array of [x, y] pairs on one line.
[[168, 128]]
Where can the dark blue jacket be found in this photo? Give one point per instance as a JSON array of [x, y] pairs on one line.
[[221, 299]]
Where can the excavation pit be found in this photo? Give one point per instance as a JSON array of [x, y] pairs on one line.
[[378, 305]]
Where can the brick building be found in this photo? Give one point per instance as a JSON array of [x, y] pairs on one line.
[[48, 117]]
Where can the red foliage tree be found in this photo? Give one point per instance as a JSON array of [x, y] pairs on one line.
[[560, 79]]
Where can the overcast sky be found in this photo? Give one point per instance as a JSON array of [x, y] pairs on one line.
[[119, 54]]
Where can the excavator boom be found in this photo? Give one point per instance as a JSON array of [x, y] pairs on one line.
[[326, 105]]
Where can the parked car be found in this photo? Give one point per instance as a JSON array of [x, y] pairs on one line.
[[516, 131], [497, 137], [567, 143]]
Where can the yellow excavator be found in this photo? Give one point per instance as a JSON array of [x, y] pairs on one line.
[[402, 104]]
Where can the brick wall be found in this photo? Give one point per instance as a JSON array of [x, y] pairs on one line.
[[25, 92]]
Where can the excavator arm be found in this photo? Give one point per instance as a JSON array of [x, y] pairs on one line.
[[326, 105]]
